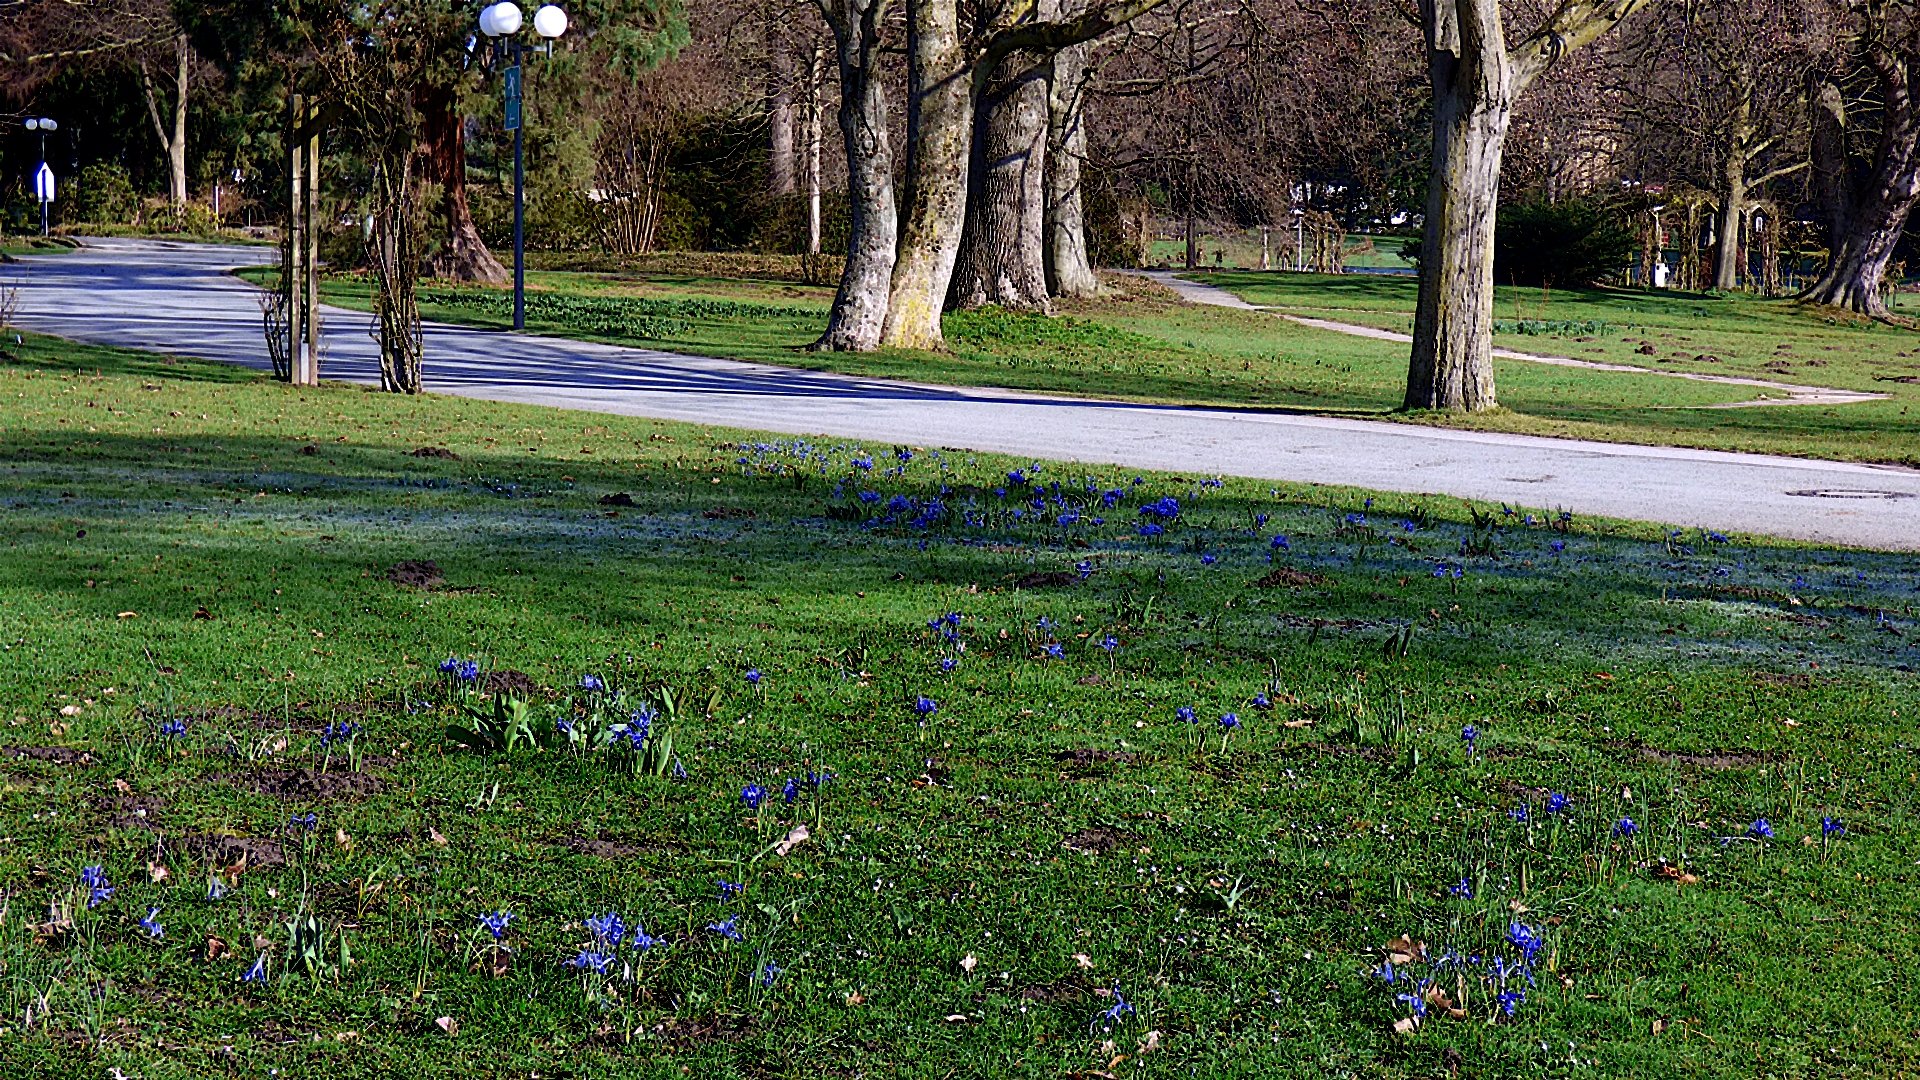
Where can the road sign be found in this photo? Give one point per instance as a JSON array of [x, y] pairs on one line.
[[43, 183], [512, 81]]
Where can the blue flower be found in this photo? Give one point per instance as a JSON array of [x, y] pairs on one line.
[[1470, 735], [948, 663], [338, 732], [496, 923], [753, 795], [1355, 520], [1229, 721], [467, 670], [607, 929], [728, 929], [258, 972], [1109, 643], [790, 791], [1526, 939], [1150, 530], [1208, 559], [152, 925], [1760, 829], [216, 889], [753, 676], [1510, 1001], [1085, 568], [925, 706], [1831, 826], [173, 729], [1056, 650], [307, 821], [1260, 701], [1557, 803], [591, 960], [1519, 813], [1625, 827], [768, 973], [592, 684], [1558, 546], [1114, 1013], [1185, 714], [99, 889], [1280, 543], [729, 889], [817, 780], [1463, 891]]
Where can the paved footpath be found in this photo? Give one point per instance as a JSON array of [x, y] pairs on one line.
[[178, 298]]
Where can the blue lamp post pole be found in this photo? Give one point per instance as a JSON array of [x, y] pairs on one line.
[[502, 22]]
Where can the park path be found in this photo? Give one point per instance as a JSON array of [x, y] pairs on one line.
[[1196, 292], [180, 299]]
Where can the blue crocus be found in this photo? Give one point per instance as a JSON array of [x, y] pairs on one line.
[[1557, 803], [1462, 891], [173, 729], [592, 684], [1625, 827], [729, 889], [1760, 829], [1526, 939], [151, 924], [258, 972], [1470, 735], [753, 677], [496, 924], [1510, 1001], [1229, 721], [753, 795], [99, 889], [1056, 650], [768, 973], [728, 929], [1831, 826], [1109, 643], [1280, 543], [591, 960], [790, 791], [607, 929], [1185, 714], [1114, 1013], [925, 706], [1085, 569]]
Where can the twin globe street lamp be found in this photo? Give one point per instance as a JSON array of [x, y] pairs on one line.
[[43, 177], [502, 23]]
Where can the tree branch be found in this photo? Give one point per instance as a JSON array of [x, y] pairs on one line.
[[1573, 26]]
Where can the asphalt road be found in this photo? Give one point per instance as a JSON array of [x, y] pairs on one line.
[[178, 298]]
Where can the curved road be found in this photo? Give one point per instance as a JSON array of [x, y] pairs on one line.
[[178, 298]]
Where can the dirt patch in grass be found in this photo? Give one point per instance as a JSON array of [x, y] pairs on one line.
[[728, 513], [440, 452], [1288, 577], [254, 853], [124, 810], [618, 498], [416, 574], [1048, 579], [1053, 993], [1099, 839], [305, 785], [1090, 760], [1798, 680], [58, 755], [509, 682], [1729, 759]]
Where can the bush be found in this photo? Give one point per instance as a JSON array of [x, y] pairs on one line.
[[1565, 244], [102, 194]]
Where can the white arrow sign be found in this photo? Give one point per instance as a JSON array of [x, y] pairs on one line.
[[43, 183]]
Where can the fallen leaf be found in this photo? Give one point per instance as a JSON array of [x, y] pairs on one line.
[[1659, 1026], [1405, 1025], [1149, 1044], [956, 1018], [1298, 723], [1085, 961], [433, 834], [1404, 950], [128, 615], [449, 1025], [342, 840], [123, 787], [795, 837], [69, 710], [217, 948], [346, 1036], [968, 963], [856, 998], [157, 871]]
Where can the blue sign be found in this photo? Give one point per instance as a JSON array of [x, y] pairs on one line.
[[513, 97]]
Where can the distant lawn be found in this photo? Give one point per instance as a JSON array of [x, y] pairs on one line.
[[1142, 345], [225, 604]]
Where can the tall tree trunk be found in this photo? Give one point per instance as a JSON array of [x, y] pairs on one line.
[[1003, 244], [1476, 80], [1733, 186], [939, 138], [780, 111], [860, 305], [173, 138], [462, 255], [1876, 206], [1069, 273], [811, 135], [1473, 95]]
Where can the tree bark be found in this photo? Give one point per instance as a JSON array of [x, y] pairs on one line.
[[781, 179], [462, 256], [1003, 243], [1069, 272], [1875, 207], [939, 139], [173, 143], [860, 305], [1476, 80], [1733, 186]]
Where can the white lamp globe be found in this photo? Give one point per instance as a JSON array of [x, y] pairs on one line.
[[33, 125], [486, 21], [550, 21], [49, 125], [506, 18]]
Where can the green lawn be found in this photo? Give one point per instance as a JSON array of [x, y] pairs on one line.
[[186, 542]]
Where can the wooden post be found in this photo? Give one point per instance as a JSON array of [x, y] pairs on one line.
[[311, 141], [295, 283]]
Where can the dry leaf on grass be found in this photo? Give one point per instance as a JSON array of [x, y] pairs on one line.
[[1404, 950], [449, 1025]]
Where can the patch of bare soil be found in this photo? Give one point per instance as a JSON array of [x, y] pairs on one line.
[[305, 785], [416, 574], [1288, 577], [435, 452], [254, 853], [1048, 579], [58, 755], [1099, 839]]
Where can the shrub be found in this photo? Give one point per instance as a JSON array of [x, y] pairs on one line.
[[1565, 243], [103, 195]]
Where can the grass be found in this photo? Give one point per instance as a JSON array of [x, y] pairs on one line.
[[188, 542], [1143, 346]]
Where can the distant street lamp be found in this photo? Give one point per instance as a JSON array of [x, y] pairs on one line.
[[43, 177], [502, 23]]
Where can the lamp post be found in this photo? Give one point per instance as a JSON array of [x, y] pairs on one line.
[[43, 177], [502, 22]]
